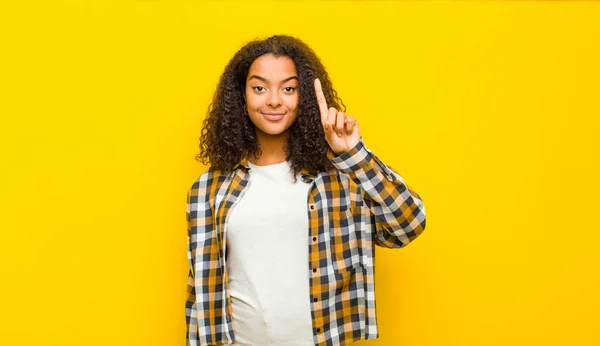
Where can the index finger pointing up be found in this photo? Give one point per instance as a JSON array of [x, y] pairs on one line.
[[321, 100]]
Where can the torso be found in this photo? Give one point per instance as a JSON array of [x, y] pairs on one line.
[[267, 260]]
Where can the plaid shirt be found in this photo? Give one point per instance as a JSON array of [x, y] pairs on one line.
[[359, 204]]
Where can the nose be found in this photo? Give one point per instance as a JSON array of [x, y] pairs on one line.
[[274, 100]]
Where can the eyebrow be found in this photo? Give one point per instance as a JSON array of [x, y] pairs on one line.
[[266, 80]]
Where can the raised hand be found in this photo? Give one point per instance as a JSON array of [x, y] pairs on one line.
[[341, 129]]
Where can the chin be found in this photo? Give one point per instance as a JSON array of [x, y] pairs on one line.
[[274, 131]]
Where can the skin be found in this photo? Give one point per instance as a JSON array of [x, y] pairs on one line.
[[341, 129], [272, 87], [273, 90]]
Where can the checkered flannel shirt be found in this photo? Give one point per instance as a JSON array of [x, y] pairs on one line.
[[359, 204]]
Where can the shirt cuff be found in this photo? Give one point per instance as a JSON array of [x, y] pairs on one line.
[[359, 159]]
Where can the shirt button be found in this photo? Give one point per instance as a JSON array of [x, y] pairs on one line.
[[318, 330], [314, 238], [316, 300], [314, 270], [312, 207]]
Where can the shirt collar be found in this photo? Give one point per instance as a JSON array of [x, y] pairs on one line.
[[243, 162]]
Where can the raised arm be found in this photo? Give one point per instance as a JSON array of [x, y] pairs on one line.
[[398, 210]]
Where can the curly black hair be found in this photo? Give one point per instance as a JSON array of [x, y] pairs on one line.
[[228, 134]]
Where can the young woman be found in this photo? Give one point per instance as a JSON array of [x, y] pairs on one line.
[[283, 224]]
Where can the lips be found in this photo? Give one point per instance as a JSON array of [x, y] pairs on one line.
[[274, 116]]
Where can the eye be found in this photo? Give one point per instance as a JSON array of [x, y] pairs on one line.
[[258, 87], [293, 88]]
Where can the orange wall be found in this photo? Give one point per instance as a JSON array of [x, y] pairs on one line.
[[489, 111]]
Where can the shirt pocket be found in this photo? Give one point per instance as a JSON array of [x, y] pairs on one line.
[[344, 242]]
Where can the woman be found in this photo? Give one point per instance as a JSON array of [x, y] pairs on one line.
[[283, 224]]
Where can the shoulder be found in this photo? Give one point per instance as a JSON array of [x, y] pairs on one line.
[[204, 186]]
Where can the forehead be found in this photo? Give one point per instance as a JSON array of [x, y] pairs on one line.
[[273, 68]]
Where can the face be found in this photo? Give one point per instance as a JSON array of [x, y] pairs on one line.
[[272, 95]]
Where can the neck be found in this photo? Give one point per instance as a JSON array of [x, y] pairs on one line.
[[272, 149]]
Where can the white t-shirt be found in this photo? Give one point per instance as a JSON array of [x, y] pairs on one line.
[[267, 260]]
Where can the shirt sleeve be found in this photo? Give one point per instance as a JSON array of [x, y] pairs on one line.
[[191, 335], [398, 210]]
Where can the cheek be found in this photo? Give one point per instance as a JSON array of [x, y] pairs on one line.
[[253, 104], [293, 102], [252, 100]]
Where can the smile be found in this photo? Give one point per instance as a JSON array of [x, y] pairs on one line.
[[274, 116]]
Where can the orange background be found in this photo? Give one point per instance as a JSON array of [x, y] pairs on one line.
[[488, 110]]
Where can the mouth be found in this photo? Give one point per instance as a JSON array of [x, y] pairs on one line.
[[274, 116]]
